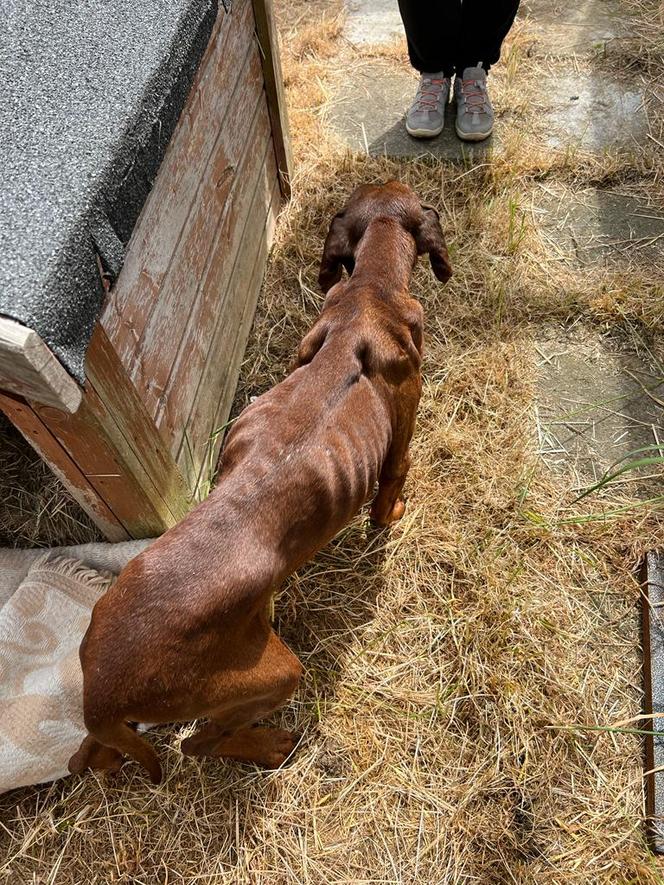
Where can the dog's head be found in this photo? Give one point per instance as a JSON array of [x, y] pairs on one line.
[[391, 200]]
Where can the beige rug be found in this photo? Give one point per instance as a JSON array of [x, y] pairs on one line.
[[46, 598]]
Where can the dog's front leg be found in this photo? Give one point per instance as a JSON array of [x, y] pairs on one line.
[[388, 505]]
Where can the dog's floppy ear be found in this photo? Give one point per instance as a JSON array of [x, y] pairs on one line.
[[336, 252], [429, 239]]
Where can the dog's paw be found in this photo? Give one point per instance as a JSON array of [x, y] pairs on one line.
[[397, 511], [382, 520], [199, 746], [274, 748], [269, 747]]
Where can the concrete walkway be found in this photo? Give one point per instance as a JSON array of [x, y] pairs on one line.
[[587, 109], [599, 399]]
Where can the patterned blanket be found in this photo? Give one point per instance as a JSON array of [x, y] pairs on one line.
[[45, 603]]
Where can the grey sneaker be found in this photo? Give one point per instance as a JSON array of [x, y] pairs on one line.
[[474, 119], [426, 115]]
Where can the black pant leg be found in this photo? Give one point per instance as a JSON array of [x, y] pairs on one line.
[[432, 29], [484, 26]]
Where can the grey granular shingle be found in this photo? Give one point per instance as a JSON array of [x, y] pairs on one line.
[[90, 92]]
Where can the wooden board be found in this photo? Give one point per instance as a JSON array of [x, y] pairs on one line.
[[117, 406], [26, 420], [266, 33], [205, 427], [170, 295], [111, 472], [108, 453], [219, 423], [212, 219], [220, 313], [653, 695], [167, 208], [29, 368], [211, 304], [117, 449]]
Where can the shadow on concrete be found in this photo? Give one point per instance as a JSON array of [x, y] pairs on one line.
[[368, 114], [396, 142]]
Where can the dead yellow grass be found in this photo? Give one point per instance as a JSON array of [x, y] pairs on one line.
[[35, 510], [453, 663]]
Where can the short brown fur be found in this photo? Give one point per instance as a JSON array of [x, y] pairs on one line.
[[184, 632]]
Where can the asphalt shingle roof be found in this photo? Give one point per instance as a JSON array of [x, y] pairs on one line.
[[90, 92]]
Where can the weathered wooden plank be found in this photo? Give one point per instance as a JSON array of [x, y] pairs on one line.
[[214, 397], [29, 368], [266, 34], [119, 409], [652, 581], [248, 296], [253, 291], [198, 456], [167, 208], [214, 209], [26, 420], [109, 465], [109, 453], [210, 303]]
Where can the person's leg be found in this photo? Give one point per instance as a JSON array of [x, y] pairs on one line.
[[483, 29], [431, 28]]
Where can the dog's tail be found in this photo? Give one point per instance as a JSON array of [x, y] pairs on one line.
[[123, 738]]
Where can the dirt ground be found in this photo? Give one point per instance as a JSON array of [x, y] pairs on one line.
[[471, 675]]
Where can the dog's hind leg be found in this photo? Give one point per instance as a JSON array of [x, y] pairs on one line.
[[268, 685], [92, 754], [262, 746], [105, 747]]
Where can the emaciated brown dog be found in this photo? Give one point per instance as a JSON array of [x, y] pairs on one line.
[[184, 632]]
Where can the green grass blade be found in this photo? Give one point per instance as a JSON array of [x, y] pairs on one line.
[[626, 468]]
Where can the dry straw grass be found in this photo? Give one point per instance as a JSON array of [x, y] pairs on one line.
[[35, 510], [453, 663]]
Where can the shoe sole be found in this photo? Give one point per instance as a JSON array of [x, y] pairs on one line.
[[472, 136], [424, 133]]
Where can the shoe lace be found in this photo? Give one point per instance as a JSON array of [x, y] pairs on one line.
[[427, 98], [474, 95]]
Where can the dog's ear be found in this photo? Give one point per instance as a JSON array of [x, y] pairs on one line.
[[336, 252], [429, 239]]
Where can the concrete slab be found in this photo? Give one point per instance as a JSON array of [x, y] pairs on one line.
[[580, 27], [597, 402], [594, 112], [593, 226], [368, 111], [372, 21]]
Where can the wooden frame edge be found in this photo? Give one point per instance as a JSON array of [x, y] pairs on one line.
[[28, 368], [268, 45]]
